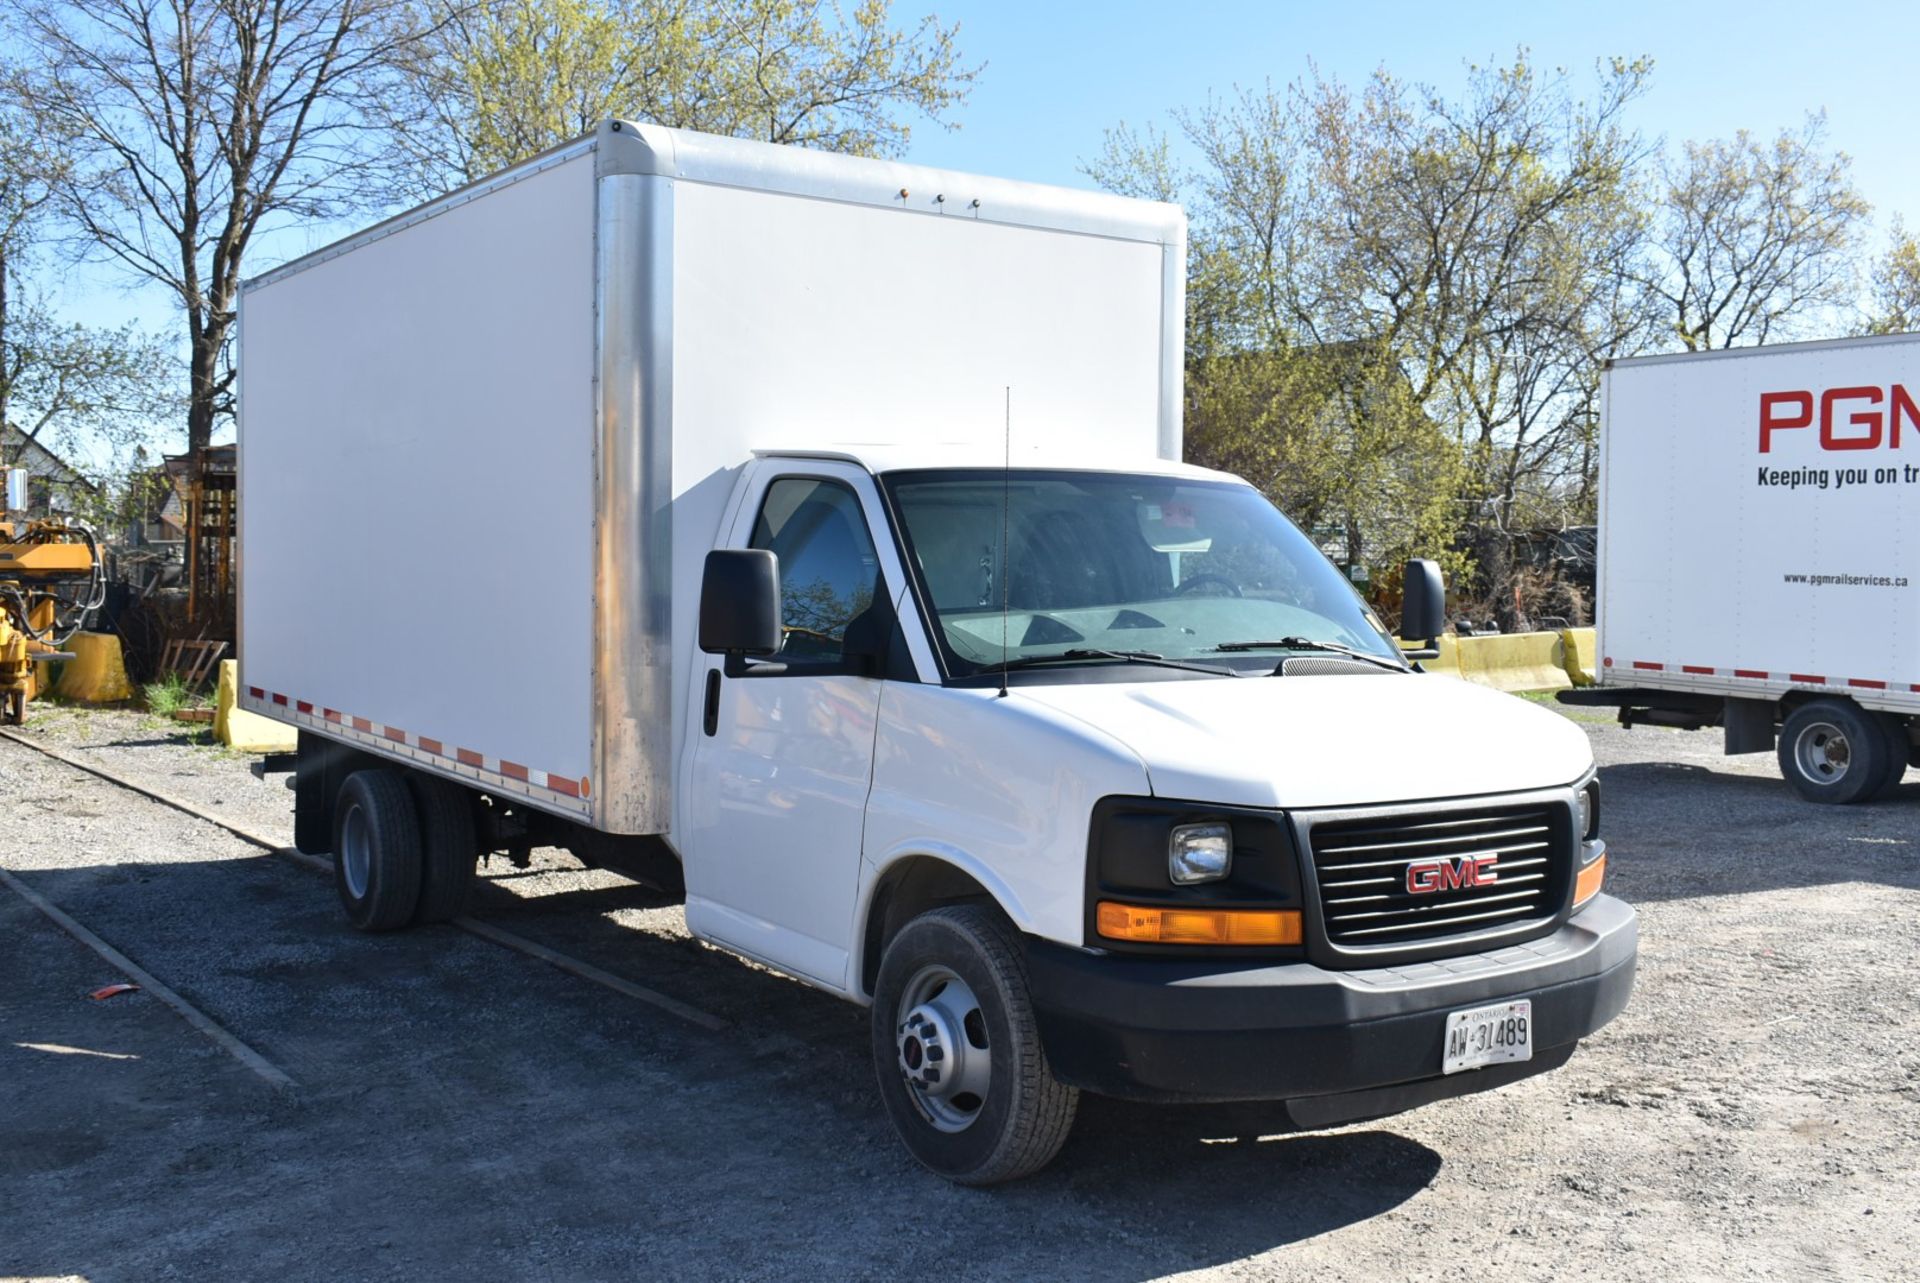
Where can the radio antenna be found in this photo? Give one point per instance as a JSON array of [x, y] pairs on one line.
[[1006, 546]]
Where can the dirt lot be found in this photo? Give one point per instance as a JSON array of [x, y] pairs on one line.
[[460, 1110]]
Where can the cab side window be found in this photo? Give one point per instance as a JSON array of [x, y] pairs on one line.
[[829, 573]]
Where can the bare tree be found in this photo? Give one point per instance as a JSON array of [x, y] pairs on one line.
[[194, 124], [1757, 240]]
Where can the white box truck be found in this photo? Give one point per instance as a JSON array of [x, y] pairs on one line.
[[809, 533], [1759, 560]]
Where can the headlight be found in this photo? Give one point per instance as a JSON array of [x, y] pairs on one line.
[[1586, 810], [1199, 853]]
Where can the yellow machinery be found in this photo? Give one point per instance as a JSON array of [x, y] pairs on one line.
[[51, 582]]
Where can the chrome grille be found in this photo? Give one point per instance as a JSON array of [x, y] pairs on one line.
[[1362, 868]]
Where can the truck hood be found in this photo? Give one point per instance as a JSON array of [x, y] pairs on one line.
[[1347, 740]]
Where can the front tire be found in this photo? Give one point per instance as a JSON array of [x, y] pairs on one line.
[[1834, 751], [376, 850], [957, 1050]]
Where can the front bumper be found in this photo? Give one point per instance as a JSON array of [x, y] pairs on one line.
[[1336, 1046]]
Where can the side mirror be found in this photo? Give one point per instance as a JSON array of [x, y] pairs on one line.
[[740, 603], [16, 497], [1423, 606]]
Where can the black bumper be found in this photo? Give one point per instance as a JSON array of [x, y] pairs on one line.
[[1335, 1045]]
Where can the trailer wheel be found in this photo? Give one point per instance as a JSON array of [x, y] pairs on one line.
[[957, 1050], [376, 850], [448, 847], [1834, 751]]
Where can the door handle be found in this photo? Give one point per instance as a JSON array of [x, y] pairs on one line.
[[710, 720]]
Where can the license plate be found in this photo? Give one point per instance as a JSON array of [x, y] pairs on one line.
[[1488, 1036]]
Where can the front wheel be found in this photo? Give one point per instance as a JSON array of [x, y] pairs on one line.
[[957, 1049]]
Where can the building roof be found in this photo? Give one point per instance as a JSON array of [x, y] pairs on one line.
[[20, 451]]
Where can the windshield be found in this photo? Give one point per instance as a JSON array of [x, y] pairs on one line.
[[1118, 563]]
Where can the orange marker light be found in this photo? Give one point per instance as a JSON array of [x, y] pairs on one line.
[[1145, 925], [1587, 885]]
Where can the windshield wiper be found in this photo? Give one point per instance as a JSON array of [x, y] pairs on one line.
[[1308, 643], [1127, 656]]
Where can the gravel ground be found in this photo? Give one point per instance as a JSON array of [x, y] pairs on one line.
[[461, 1110]]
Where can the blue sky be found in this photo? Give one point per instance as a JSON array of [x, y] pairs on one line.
[[1058, 74]]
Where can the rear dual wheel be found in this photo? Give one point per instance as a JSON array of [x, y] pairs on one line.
[[376, 850], [1836, 752], [403, 849]]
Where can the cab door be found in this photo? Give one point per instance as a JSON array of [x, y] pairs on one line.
[[783, 748]]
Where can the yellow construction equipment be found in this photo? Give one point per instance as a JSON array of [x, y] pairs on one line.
[[51, 582]]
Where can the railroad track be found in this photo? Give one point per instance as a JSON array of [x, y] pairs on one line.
[[205, 1023]]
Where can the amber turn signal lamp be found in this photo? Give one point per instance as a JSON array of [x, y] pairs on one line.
[[1587, 885], [1144, 925]]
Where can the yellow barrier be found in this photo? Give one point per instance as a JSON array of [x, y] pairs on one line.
[[240, 730], [1579, 649], [1449, 660], [1509, 662], [97, 674]]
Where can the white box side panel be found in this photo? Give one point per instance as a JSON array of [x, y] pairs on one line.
[[418, 478], [1712, 545], [800, 322]]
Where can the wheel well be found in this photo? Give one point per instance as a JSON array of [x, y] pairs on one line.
[[908, 889]]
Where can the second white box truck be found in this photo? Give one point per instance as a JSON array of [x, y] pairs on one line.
[[657, 499], [1760, 554]]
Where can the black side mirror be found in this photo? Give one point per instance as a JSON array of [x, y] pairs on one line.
[[1423, 606], [740, 603]]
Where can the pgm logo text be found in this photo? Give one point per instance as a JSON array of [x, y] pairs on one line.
[[1424, 877], [1849, 418]]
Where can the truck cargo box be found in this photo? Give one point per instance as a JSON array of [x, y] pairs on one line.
[[1760, 522], [485, 445]]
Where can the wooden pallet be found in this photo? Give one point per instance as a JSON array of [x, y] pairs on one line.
[[192, 660]]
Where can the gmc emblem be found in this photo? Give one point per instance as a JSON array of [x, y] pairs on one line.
[[1424, 877]]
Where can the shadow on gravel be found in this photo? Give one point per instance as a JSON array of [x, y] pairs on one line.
[[442, 1079], [1678, 830]]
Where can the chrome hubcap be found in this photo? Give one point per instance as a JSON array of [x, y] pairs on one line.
[[355, 857], [941, 1039], [1823, 753]]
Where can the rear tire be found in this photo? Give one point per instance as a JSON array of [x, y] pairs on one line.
[[1899, 749], [1833, 751], [957, 1050], [448, 847], [376, 850]]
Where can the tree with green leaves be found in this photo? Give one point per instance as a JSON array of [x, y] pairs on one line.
[[1401, 298], [1758, 241], [77, 390], [492, 82], [1893, 286]]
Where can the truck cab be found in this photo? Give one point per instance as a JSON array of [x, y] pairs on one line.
[[1102, 777]]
